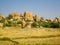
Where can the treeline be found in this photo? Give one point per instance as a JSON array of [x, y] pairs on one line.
[[46, 24]]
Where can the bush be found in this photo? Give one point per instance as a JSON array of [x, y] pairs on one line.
[[2, 20], [10, 24], [55, 25], [19, 22], [49, 24], [34, 24]]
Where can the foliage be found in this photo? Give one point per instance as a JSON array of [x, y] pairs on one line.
[[15, 23], [34, 24], [2, 20], [10, 24], [55, 25], [49, 24], [20, 22]]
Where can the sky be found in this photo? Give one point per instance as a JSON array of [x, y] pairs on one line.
[[42, 8]]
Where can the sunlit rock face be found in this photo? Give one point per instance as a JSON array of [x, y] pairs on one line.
[[23, 23], [14, 15], [28, 16], [1, 16], [48, 20], [36, 18], [56, 19], [42, 19], [21, 17], [1, 24]]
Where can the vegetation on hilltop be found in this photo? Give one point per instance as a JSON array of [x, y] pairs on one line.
[[27, 19]]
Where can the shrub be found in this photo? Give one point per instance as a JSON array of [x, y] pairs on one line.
[[19, 22], [55, 25], [2, 20], [34, 24], [49, 24]]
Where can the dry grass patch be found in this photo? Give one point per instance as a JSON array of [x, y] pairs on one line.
[[32, 36]]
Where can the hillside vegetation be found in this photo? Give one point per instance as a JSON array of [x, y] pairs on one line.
[[27, 19]]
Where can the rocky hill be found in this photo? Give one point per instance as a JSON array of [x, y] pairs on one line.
[[27, 19]]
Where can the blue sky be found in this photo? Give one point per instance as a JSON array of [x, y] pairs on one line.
[[45, 8]]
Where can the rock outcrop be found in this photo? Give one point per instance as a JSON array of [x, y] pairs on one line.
[[25, 20], [28, 16], [56, 19], [42, 19], [1, 16], [48, 20], [36, 18], [23, 23], [21, 17], [14, 15]]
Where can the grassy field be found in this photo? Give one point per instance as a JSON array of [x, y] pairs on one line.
[[29, 36]]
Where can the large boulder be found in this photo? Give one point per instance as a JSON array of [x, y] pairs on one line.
[[28, 16], [1, 16], [42, 19], [36, 18], [14, 15], [48, 20], [23, 23], [28, 24], [1, 24], [21, 17], [56, 19]]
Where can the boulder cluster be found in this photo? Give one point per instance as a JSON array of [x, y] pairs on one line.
[[23, 20]]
